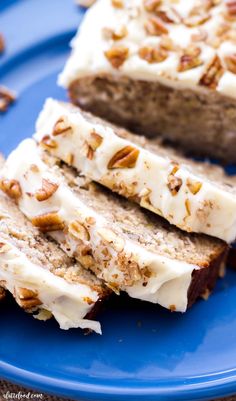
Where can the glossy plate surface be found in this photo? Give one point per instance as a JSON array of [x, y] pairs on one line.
[[145, 352]]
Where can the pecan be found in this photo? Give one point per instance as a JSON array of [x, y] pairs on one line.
[[48, 143], [230, 62], [155, 27], [117, 55], [170, 16], [187, 206], [87, 261], [117, 3], [115, 34], [48, 189], [190, 59], [213, 74], [79, 231], [174, 183], [2, 43], [167, 43], [231, 8], [26, 298], [62, 126], [198, 15], [95, 140], [2, 293], [11, 188], [88, 300], [4, 248], [152, 5], [7, 97], [124, 158], [153, 54], [112, 238], [48, 222], [193, 186]]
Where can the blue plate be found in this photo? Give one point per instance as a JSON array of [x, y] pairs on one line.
[[145, 352]]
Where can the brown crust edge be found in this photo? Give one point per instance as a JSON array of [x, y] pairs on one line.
[[204, 279]]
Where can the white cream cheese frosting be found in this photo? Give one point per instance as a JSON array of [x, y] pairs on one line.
[[180, 191], [169, 279], [64, 300], [190, 34]]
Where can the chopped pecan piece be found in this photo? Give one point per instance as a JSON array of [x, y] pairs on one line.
[[7, 97], [190, 59], [230, 62], [170, 16], [112, 238], [187, 206], [117, 55], [11, 188], [4, 248], [155, 27], [174, 183], [193, 186], [153, 54], [79, 231], [115, 34], [62, 126], [48, 222], [117, 3], [48, 143], [88, 300], [48, 189], [200, 36], [124, 158], [198, 15], [152, 5], [95, 140], [231, 8], [2, 293], [26, 298], [213, 74], [2, 43]]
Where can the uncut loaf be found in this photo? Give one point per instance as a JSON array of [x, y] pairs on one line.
[[194, 196], [125, 246], [41, 277], [161, 68]]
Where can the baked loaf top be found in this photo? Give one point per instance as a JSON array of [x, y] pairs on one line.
[[41, 277], [195, 196], [125, 246], [185, 44]]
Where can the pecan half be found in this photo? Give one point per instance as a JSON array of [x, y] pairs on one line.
[[26, 298], [62, 126], [152, 5], [153, 54], [48, 189], [213, 74], [174, 183], [155, 27], [48, 222], [230, 62], [199, 14], [11, 188], [124, 158], [190, 59], [2, 43], [7, 97], [48, 143], [117, 55]]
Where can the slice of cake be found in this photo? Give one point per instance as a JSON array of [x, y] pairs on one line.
[[160, 67], [194, 196], [41, 277], [127, 247]]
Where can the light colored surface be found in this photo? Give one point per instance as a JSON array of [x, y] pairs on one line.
[[170, 278], [90, 44], [212, 210]]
